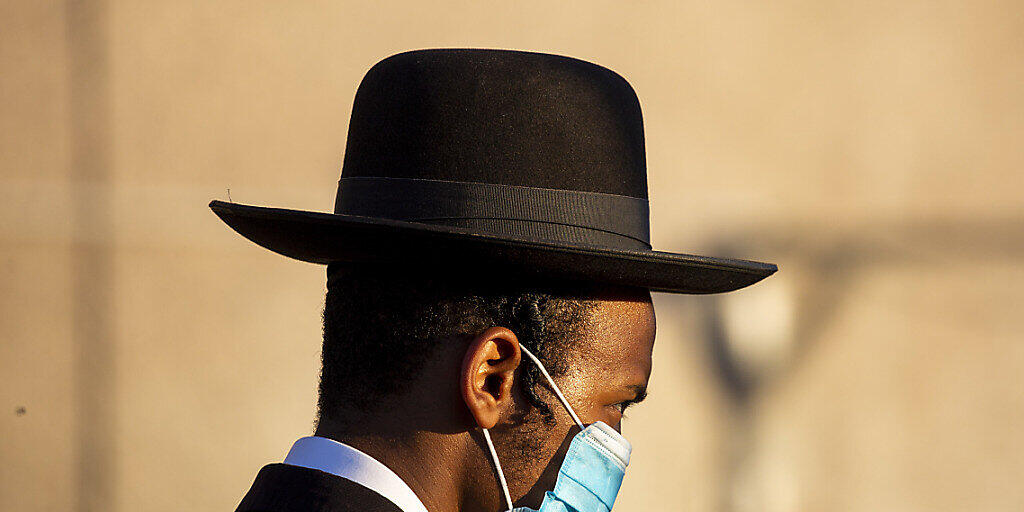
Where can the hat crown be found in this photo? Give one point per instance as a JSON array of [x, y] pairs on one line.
[[498, 116], [493, 162]]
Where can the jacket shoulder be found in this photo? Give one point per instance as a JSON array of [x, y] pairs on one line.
[[286, 488]]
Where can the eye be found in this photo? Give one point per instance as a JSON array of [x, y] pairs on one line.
[[640, 396], [622, 406]]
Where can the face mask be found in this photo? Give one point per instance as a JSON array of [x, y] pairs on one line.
[[590, 475]]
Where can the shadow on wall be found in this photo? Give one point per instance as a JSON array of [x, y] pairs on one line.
[[759, 337]]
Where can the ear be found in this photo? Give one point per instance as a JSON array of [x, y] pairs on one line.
[[487, 373]]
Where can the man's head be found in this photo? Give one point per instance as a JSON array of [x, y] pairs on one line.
[[438, 353]]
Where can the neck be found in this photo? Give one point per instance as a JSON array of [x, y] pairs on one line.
[[442, 469]]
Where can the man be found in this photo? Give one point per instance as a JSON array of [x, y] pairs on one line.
[[488, 317]]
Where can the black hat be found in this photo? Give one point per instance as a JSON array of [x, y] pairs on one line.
[[521, 163]]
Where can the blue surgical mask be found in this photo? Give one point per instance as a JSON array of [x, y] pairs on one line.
[[593, 468]]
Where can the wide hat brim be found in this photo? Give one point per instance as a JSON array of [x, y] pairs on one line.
[[319, 237]]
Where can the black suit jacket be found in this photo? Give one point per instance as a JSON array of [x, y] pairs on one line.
[[287, 488]]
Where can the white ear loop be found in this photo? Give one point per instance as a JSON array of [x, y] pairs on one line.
[[554, 387], [487, 435], [497, 465]]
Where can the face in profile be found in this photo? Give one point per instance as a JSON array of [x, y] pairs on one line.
[[606, 372]]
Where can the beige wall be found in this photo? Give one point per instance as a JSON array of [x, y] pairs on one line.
[[153, 360]]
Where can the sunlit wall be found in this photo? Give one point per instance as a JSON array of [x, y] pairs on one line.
[[154, 360]]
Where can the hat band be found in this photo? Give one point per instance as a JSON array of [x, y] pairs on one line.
[[532, 213]]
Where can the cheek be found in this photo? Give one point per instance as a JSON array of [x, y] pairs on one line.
[[593, 404], [534, 455], [611, 416]]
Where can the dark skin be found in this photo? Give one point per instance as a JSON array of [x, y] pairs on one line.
[[431, 436]]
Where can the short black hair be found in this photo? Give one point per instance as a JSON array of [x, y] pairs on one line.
[[380, 324]]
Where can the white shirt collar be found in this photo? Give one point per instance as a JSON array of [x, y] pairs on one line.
[[347, 462]]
